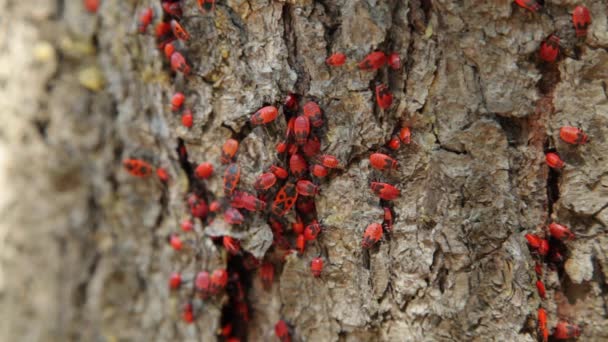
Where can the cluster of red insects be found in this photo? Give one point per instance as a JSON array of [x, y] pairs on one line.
[[296, 183], [551, 247]]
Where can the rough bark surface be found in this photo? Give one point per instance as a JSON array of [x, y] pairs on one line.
[[83, 253]]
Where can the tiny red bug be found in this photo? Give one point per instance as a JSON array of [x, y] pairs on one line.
[[289, 130], [297, 165], [229, 150], [206, 6], [202, 282], [382, 162], [187, 225], [282, 331], [285, 199], [279, 172], [179, 63], [214, 207], [91, 5], [219, 279], [265, 115], [137, 167], [301, 128], [394, 143], [232, 176], [198, 206], [298, 226], [175, 242], [385, 191], [172, 8], [388, 219], [538, 268], [265, 181], [581, 20], [162, 174], [291, 102], [179, 31], [233, 216], [394, 61], [281, 147], [372, 234], [177, 100], [162, 29], [337, 59], [373, 61], [312, 231], [573, 135], [541, 289], [248, 201], [267, 275], [384, 98], [564, 330], [318, 171], [314, 114], [187, 118], [169, 49], [538, 244], [405, 135], [530, 5], [560, 232], [301, 243], [145, 18], [316, 267], [329, 161], [542, 324], [549, 49], [312, 147], [306, 188], [188, 313], [232, 245], [175, 281], [554, 161], [226, 330], [204, 170]]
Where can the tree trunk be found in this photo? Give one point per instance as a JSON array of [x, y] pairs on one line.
[[84, 253]]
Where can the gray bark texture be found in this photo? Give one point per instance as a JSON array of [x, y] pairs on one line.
[[83, 251]]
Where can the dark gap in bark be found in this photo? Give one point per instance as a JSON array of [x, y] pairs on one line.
[[41, 126], [233, 310], [550, 77], [512, 128], [552, 183], [600, 278]]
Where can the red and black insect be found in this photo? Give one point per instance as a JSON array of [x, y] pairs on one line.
[[198, 206], [318, 171], [187, 225], [388, 221], [202, 283], [187, 118], [373, 61], [248, 201], [291, 102], [285, 199], [329, 161], [145, 18], [394, 61], [233, 216], [405, 135], [560, 232], [282, 331], [312, 231], [312, 147], [301, 128], [372, 234], [175, 242], [298, 226], [267, 275], [382, 162], [177, 100], [219, 280], [137, 167], [265, 115], [542, 325], [163, 34], [301, 243], [232, 176], [297, 165], [203, 170], [179, 31], [206, 6], [337, 59], [169, 49], [180, 64], [538, 244], [265, 181], [282, 147], [188, 313], [384, 97], [229, 150], [175, 281], [531, 5], [554, 161], [306, 188], [385, 191], [280, 172], [394, 143], [313, 112], [573, 135], [316, 267], [581, 20], [232, 245], [549, 49], [541, 289], [162, 174], [564, 330]]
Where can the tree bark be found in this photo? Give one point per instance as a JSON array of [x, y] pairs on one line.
[[84, 253]]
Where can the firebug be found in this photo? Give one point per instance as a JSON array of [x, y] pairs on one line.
[[301, 129], [233, 216], [175, 281], [177, 100], [372, 234], [297, 165], [314, 114], [318, 171], [187, 118], [384, 97], [329, 161], [554, 161], [312, 231], [232, 245], [280, 172], [541, 289], [405, 135], [394, 61], [229, 150], [573, 135], [179, 31], [206, 6], [382, 162], [232, 176], [282, 331], [203, 170], [306, 188], [394, 143], [581, 20], [531, 5], [188, 313], [549, 49], [145, 18], [202, 283], [219, 280], [264, 115], [385, 191], [187, 225], [180, 64], [373, 61], [316, 267], [137, 167], [265, 181], [285, 199], [162, 174], [560, 232], [337, 59], [564, 330]]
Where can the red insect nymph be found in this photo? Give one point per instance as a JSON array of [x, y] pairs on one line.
[[312, 231], [329, 161], [382, 162], [177, 100], [229, 150], [265, 181], [145, 18], [337, 59], [188, 313], [318, 171], [581, 19], [306, 188], [175, 281], [549, 49], [573, 135], [385, 191], [232, 175], [405, 135], [206, 6], [373, 61], [531, 5], [179, 63], [282, 331], [538, 244], [394, 61], [264, 115], [384, 98], [560, 232], [137, 167], [297, 165], [316, 267], [219, 279], [554, 161], [564, 330], [301, 128], [203, 170], [394, 143], [187, 118], [202, 282], [179, 31], [314, 114], [541, 289], [372, 234], [232, 245], [279, 171], [542, 324]]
